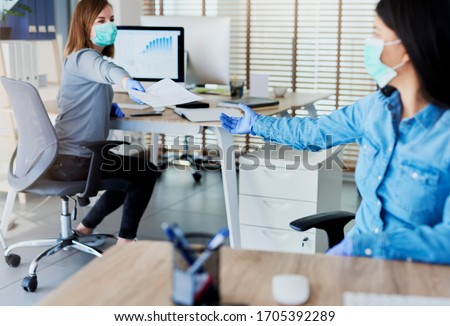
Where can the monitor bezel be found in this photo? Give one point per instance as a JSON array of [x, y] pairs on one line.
[[181, 61]]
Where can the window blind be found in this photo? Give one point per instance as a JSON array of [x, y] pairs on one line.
[[305, 45]]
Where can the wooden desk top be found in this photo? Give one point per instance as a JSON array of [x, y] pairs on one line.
[[290, 100], [140, 275]]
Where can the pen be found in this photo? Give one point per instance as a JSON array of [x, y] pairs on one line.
[[146, 114], [176, 236], [213, 244]]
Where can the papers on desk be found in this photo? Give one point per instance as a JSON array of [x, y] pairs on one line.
[[133, 106], [210, 114], [250, 101], [164, 93]]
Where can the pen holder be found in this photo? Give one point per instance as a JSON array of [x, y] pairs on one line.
[[199, 288], [236, 88]]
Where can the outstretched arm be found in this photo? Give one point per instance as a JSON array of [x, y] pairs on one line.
[[340, 127]]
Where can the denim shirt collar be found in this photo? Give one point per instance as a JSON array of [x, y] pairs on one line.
[[393, 104], [427, 116]]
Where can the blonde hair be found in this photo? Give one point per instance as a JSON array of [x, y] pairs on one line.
[[83, 19]]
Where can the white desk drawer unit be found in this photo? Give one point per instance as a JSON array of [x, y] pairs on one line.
[[272, 212], [279, 183], [273, 192], [263, 238]]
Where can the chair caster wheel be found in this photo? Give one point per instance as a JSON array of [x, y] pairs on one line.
[[12, 260], [197, 176], [30, 283]]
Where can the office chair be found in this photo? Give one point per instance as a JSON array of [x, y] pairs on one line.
[[332, 223], [194, 163], [36, 151]]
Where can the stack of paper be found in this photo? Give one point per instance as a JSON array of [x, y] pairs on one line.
[[211, 114], [165, 93]]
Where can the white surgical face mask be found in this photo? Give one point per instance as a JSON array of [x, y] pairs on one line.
[[381, 73]]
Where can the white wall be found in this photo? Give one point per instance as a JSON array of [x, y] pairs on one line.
[[127, 12]]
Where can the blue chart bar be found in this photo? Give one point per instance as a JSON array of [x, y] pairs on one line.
[[162, 44]]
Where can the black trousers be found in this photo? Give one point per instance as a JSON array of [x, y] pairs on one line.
[[140, 172]]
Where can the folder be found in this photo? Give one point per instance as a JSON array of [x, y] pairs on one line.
[[50, 20], [32, 21], [253, 102], [204, 115]]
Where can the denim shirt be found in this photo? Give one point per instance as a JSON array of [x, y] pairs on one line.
[[402, 173]]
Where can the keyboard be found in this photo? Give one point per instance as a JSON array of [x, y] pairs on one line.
[[378, 299], [133, 106]]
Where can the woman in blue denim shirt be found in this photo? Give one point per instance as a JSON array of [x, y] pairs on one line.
[[403, 170]]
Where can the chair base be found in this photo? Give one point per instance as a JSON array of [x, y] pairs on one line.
[[68, 240], [30, 283], [192, 162]]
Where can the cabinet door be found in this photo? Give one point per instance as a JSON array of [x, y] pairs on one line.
[[258, 238], [278, 183], [272, 212]]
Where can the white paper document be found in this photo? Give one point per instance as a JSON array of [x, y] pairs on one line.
[[164, 93], [133, 106], [211, 114]]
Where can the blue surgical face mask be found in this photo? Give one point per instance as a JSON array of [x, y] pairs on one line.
[[105, 34], [381, 73]]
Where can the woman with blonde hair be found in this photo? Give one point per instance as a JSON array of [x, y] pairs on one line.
[[85, 106]]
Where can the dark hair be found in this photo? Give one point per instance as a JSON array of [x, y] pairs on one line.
[[83, 18], [424, 28]]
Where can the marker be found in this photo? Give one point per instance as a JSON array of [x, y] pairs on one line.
[[213, 244]]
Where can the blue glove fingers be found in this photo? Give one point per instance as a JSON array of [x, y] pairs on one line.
[[229, 123], [134, 98], [116, 111], [119, 113], [226, 119], [134, 84], [246, 109], [138, 86]]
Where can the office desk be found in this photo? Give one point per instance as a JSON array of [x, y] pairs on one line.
[[140, 275], [172, 124]]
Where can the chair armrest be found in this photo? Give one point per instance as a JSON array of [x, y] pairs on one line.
[[100, 151], [332, 223]]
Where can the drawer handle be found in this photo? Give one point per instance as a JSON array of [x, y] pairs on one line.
[[276, 205], [277, 174], [278, 236]]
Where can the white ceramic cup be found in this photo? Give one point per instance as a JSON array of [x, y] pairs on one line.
[[279, 91]]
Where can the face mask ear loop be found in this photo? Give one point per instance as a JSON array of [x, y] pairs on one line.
[[401, 64], [392, 42]]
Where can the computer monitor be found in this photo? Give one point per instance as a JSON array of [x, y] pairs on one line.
[[151, 53], [207, 43]]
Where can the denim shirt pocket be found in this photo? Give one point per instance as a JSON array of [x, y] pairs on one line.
[[417, 191], [366, 161]]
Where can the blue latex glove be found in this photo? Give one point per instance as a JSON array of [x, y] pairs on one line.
[[132, 84], [241, 125], [116, 111], [344, 248]]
